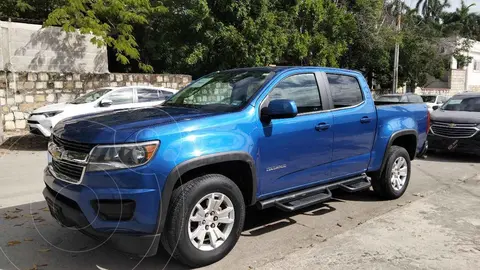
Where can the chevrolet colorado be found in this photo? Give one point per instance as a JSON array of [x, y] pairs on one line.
[[182, 174]]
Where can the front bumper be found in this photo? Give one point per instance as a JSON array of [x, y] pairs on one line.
[[71, 205], [466, 145], [40, 125]]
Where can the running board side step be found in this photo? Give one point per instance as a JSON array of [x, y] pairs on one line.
[[318, 194], [356, 186]]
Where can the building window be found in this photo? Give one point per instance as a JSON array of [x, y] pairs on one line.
[[476, 65]]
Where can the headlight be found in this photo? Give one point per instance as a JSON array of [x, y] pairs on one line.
[[113, 157], [52, 114]]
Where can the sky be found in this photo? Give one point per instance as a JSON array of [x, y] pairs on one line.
[[454, 3]]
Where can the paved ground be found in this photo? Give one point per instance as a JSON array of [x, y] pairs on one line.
[[436, 224]]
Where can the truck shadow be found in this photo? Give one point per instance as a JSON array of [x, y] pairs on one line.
[[260, 222], [27, 142]]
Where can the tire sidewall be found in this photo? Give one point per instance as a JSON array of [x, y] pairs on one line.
[[214, 184], [394, 154]]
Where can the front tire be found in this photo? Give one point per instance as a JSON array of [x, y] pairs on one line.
[[392, 182], [205, 220]]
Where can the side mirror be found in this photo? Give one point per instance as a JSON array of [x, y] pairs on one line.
[[105, 103], [435, 107], [279, 108]]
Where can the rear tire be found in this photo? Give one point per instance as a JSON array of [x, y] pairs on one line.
[[217, 203], [392, 182]]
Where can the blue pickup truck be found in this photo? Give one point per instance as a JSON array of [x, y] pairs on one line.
[[182, 174]]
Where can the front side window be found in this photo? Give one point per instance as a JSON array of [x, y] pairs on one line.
[[119, 97], [302, 89], [465, 104], [345, 90], [221, 91], [147, 95]]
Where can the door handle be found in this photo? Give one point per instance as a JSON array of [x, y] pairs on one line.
[[365, 120], [322, 126]]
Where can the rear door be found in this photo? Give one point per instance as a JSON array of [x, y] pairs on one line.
[[354, 124], [296, 152]]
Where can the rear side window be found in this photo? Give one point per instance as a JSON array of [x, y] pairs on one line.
[[302, 89], [345, 90], [147, 95]]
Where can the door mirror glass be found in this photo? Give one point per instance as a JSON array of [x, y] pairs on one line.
[[105, 103], [280, 108]]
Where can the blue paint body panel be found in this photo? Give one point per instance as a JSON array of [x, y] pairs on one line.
[[288, 154]]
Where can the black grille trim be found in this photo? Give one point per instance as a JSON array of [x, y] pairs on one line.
[[73, 146], [454, 132], [72, 171]]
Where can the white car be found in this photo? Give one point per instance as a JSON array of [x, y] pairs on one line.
[[434, 100], [42, 120]]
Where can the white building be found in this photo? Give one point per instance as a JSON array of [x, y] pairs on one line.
[[458, 79]]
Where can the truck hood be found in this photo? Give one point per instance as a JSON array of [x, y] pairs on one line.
[[458, 117], [117, 126]]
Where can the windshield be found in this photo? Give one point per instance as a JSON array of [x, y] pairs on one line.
[[92, 96], [429, 99], [221, 91], [389, 98], [466, 104]]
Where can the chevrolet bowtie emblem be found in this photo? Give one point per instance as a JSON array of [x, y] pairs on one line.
[[452, 125]]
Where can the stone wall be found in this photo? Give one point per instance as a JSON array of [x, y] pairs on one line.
[[21, 93]]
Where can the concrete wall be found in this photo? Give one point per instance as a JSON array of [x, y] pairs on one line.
[[29, 47], [21, 93]]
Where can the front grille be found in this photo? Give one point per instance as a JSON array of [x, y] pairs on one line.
[[68, 169], [73, 146], [457, 131]]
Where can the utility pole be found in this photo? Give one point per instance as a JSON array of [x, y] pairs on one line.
[[397, 48]]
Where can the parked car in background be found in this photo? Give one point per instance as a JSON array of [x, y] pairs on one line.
[[401, 98], [279, 137], [455, 125], [42, 120], [434, 101]]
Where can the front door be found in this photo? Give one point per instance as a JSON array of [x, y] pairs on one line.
[[295, 152]]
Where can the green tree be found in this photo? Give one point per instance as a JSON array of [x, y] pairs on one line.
[[112, 23]]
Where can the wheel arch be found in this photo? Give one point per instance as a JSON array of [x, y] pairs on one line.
[[190, 167], [407, 139]]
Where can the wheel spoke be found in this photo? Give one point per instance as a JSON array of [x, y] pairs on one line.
[[201, 237], [197, 232], [200, 209], [219, 233], [403, 171], [225, 220], [217, 203], [197, 218], [213, 239], [211, 202], [224, 213]]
